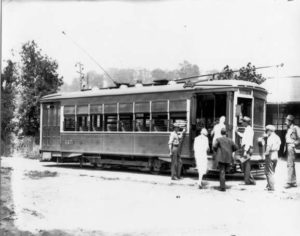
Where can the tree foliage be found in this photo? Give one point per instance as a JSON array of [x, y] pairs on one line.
[[38, 78], [247, 73], [186, 69], [132, 76], [226, 74], [8, 102]]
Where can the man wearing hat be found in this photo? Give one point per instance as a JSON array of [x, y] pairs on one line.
[[175, 142], [224, 148], [271, 155], [292, 139], [200, 149], [247, 145]]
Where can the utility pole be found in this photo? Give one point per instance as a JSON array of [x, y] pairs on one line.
[[83, 83]]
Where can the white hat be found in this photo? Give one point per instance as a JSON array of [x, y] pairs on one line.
[[270, 127], [204, 131], [246, 118]]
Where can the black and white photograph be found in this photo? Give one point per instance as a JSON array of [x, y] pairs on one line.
[[150, 117]]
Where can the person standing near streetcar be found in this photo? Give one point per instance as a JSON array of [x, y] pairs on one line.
[[271, 155], [175, 142], [247, 146], [292, 139]]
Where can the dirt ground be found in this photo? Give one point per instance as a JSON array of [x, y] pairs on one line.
[[42, 198]]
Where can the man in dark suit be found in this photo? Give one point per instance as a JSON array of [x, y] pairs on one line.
[[224, 147]]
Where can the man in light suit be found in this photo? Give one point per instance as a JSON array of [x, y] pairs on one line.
[[247, 145], [271, 155]]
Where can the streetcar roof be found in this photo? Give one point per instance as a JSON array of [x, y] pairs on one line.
[[208, 85]]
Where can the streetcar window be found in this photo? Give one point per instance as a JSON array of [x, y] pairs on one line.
[[45, 115], [69, 118], [179, 118], [58, 116], [243, 108], [82, 123], [111, 121], [69, 123], [96, 122], [125, 122], [82, 118], [160, 122], [177, 105], [96, 117], [259, 105], [142, 122], [52, 115], [126, 108], [142, 107], [159, 106]]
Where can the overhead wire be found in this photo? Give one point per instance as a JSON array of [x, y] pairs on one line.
[[92, 58]]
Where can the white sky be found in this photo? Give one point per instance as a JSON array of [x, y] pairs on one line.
[[158, 34]]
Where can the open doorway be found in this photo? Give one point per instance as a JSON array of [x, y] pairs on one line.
[[243, 108], [210, 107]]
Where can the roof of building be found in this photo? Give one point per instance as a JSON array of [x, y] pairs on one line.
[[283, 89], [151, 89]]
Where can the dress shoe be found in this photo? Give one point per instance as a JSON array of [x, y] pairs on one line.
[[290, 186]]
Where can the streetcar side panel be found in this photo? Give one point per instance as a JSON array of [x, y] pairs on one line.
[[126, 144]]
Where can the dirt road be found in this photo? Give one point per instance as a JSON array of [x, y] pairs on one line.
[[66, 200]]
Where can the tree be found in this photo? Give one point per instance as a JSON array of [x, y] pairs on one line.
[[38, 78], [8, 104], [247, 73], [187, 69], [159, 74], [74, 86], [226, 74]]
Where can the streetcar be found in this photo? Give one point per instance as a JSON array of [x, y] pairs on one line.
[[130, 125]]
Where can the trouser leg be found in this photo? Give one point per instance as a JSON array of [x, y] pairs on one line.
[[266, 170], [274, 165], [247, 173], [272, 180], [200, 172], [222, 167], [201, 167], [179, 165], [174, 162], [269, 171], [291, 165]]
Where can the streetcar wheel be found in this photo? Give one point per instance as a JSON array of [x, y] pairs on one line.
[[156, 167]]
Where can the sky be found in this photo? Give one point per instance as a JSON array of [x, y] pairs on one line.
[[157, 34]]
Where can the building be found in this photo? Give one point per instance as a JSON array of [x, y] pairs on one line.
[[283, 99]]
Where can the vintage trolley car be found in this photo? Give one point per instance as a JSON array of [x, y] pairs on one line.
[[131, 125]]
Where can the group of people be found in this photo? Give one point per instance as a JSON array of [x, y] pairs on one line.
[[224, 147]]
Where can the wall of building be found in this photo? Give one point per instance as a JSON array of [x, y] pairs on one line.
[[276, 114]]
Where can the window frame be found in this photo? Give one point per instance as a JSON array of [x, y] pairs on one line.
[[137, 110]]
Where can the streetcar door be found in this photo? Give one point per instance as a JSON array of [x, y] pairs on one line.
[[210, 107], [243, 108], [51, 126]]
